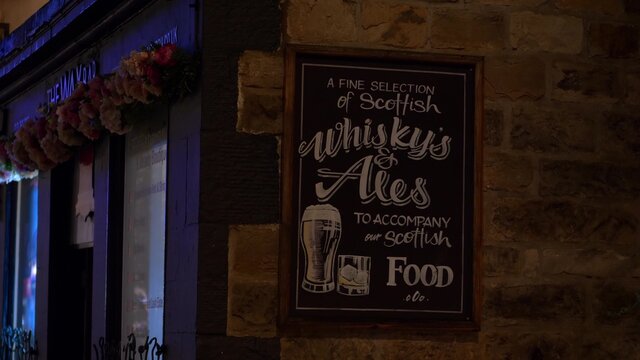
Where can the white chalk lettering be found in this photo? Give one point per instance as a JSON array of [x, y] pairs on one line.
[[412, 274]]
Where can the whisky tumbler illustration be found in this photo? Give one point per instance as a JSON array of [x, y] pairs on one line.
[[320, 234], [353, 275]]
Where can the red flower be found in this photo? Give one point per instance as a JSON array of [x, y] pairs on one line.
[[153, 75], [68, 112], [96, 90], [164, 55]]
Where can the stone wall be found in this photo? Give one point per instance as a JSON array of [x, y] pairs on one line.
[[561, 173]]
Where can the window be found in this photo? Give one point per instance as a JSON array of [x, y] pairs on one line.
[[144, 231], [21, 304]]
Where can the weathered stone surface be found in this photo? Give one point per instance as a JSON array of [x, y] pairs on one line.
[[504, 172], [380, 349], [621, 136], [501, 260], [617, 304], [493, 127], [514, 77], [529, 346], [585, 262], [609, 7], [535, 302], [610, 40], [332, 21], [399, 25], [528, 3], [552, 129], [221, 347], [253, 252], [261, 69], [585, 82], [456, 29], [613, 347], [533, 32], [260, 111], [531, 262], [588, 180], [253, 279], [632, 95], [632, 6], [554, 221], [252, 308]]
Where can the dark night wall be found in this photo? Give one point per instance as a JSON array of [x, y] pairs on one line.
[[239, 172]]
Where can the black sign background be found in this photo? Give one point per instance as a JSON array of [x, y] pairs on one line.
[[401, 237]]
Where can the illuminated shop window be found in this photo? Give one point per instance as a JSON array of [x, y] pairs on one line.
[[24, 256], [144, 231]]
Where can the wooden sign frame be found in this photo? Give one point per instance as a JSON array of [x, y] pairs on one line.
[[293, 321]]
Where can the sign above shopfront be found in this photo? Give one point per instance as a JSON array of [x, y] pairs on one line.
[[381, 189], [63, 85]]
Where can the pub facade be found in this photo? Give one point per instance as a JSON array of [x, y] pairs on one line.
[[85, 237]]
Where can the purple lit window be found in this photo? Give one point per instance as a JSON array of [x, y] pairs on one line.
[[144, 230]]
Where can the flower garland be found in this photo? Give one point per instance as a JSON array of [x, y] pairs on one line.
[[109, 104]]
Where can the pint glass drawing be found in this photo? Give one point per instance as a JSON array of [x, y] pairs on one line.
[[319, 234], [353, 275]]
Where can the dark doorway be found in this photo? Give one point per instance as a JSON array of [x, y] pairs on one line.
[[70, 276]]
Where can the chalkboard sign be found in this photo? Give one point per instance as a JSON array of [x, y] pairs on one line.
[[381, 190]]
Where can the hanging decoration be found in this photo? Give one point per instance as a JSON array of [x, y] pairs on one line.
[[106, 104]]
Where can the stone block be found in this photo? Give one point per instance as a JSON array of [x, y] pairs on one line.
[[531, 262], [585, 82], [535, 302], [620, 136], [393, 24], [260, 111], [465, 30], [632, 6], [632, 93], [252, 308], [611, 40], [493, 127], [376, 349], [502, 260], [585, 262], [220, 347], [619, 346], [534, 32], [588, 180], [513, 345], [508, 173], [261, 69], [327, 21], [514, 78], [552, 130], [617, 304], [514, 3], [561, 221], [253, 252], [609, 7]]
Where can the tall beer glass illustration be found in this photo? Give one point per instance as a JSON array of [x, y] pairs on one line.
[[319, 234]]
